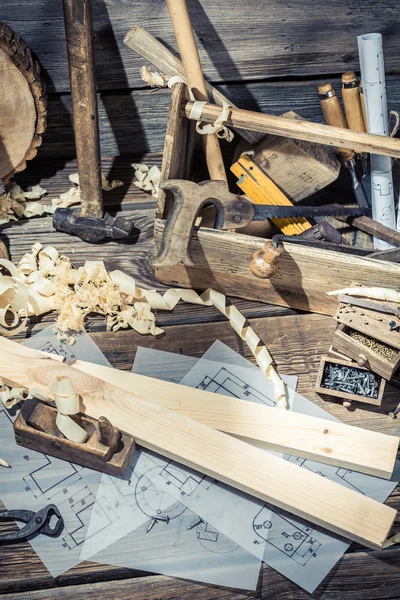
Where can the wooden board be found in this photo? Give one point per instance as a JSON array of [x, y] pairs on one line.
[[22, 104], [304, 274], [237, 40], [133, 121], [229, 460], [262, 426]]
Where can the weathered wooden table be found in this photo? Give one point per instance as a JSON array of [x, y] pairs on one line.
[[296, 341]]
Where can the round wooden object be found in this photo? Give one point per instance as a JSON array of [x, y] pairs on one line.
[[23, 104]]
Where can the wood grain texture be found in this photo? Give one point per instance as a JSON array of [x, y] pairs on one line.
[[134, 121], [301, 492], [303, 277], [263, 426], [23, 104], [236, 40]]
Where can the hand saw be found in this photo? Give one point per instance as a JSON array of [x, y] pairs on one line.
[[232, 212]]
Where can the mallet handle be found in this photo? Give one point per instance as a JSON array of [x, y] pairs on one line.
[[191, 63], [79, 37]]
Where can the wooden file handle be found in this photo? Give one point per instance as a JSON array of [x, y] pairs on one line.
[[334, 115], [352, 102], [191, 63]]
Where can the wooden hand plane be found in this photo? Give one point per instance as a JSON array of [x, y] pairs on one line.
[[106, 449]]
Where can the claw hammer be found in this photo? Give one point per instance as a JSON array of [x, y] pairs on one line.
[[88, 222]]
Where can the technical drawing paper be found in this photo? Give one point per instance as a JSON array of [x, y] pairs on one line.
[[178, 544], [36, 479], [299, 550]]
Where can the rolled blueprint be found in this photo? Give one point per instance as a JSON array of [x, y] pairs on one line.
[[372, 68]]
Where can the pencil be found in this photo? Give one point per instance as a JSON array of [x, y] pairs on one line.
[[3, 463]]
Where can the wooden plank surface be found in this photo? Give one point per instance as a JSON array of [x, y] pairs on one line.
[[236, 40], [211, 452], [134, 121], [263, 426]]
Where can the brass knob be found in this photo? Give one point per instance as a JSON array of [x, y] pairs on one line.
[[264, 262]]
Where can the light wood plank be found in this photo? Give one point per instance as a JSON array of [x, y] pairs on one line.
[[326, 441], [211, 452]]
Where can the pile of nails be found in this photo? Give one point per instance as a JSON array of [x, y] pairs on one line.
[[351, 380]]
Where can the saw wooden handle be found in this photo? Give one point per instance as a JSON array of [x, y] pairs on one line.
[[194, 75], [142, 42], [334, 115]]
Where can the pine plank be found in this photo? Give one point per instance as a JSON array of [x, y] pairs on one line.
[[264, 427], [223, 457]]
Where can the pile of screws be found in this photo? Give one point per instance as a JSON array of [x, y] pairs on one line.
[[350, 380], [386, 351]]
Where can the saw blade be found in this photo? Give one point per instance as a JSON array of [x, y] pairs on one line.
[[264, 211]]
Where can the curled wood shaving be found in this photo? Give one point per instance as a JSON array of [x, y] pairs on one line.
[[67, 403], [73, 195], [9, 396], [377, 293], [45, 281], [153, 78], [148, 178], [16, 203]]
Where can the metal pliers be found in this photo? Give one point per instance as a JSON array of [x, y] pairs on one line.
[[38, 522]]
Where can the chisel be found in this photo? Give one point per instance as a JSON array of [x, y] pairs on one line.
[[334, 116], [355, 120]]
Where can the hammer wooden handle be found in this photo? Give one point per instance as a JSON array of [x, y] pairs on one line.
[[79, 37], [334, 115], [195, 79]]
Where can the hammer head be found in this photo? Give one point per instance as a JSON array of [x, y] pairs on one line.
[[91, 229]]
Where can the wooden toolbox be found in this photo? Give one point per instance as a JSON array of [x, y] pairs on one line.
[[370, 338], [221, 258]]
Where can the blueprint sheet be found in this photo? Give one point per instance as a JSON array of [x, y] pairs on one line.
[[299, 550], [183, 547], [35, 480]]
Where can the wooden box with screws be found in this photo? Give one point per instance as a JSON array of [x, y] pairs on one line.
[[347, 381], [372, 339], [221, 258]]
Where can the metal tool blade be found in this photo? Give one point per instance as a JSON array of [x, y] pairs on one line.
[[2, 188], [357, 187], [366, 178], [264, 211], [369, 304]]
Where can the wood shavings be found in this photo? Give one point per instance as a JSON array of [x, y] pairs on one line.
[[148, 178], [153, 78], [67, 403], [9, 396], [73, 195], [377, 293], [48, 281], [15, 203]]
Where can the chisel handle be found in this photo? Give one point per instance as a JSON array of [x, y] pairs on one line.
[[352, 102], [79, 38], [334, 115]]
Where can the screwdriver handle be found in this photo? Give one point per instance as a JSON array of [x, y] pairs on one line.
[[352, 102], [334, 115]]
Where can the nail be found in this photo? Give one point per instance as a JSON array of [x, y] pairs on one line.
[[195, 523]]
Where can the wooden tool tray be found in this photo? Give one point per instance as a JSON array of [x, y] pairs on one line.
[[379, 330], [320, 388], [222, 258]]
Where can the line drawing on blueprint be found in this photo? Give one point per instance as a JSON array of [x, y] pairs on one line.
[[61, 350], [186, 483], [343, 475], [231, 385], [152, 501], [294, 541], [213, 541]]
